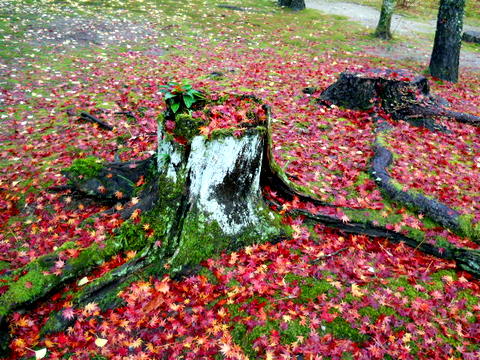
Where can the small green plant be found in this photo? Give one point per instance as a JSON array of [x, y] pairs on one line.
[[181, 97]]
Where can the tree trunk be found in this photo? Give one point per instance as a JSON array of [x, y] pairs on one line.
[[384, 23], [448, 40], [292, 4], [220, 201]]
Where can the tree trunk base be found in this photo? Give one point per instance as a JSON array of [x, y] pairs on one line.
[[293, 4]]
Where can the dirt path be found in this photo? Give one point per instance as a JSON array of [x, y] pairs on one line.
[[419, 50]]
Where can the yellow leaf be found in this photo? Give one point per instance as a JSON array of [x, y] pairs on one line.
[[136, 343], [135, 214], [162, 287], [19, 343], [91, 307], [407, 337], [22, 322], [100, 342], [356, 291], [83, 281], [131, 254], [40, 354]]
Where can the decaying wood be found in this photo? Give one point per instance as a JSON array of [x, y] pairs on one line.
[[401, 94]]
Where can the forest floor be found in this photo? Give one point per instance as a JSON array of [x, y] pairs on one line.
[[415, 35], [321, 294]]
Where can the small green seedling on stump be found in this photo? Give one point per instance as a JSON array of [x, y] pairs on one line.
[[180, 98]]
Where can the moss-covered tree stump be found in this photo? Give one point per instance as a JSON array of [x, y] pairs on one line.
[[201, 194]]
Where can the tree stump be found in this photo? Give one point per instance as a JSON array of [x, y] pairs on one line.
[[201, 194], [400, 93]]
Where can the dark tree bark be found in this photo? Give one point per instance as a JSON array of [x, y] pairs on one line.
[[471, 36], [292, 4], [448, 40], [404, 95], [384, 23]]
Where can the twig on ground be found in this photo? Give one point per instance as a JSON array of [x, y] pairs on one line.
[[95, 120]]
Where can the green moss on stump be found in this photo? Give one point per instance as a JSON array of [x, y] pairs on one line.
[[201, 238], [132, 236], [86, 168], [186, 126]]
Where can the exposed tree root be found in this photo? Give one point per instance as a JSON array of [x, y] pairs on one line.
[[437, 211], [104, 290], [416, 111], [114, 182], [272, 175], [466, 259], [383, 158]]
